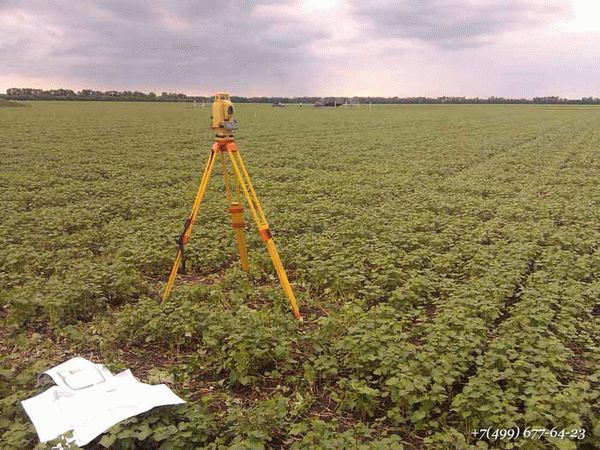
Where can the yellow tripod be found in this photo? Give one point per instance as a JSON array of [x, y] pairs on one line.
[[225, 145]]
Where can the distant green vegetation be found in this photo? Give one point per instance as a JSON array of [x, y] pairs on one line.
[[445, 258], [138, 96]]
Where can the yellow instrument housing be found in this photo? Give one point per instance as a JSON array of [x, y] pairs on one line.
[[222, 112]]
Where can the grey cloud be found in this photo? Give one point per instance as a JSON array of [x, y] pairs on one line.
[[175, 44], [454, 23]]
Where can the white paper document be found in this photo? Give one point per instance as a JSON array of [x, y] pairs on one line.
[[88, 400]]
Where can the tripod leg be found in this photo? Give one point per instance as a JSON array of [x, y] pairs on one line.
[[237, 217], [263, 227], [189, 223]]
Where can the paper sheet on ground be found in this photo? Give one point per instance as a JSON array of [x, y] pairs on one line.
[[88, 399]]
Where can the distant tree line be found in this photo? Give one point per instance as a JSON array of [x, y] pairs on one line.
[[137, 96], [89, 94]]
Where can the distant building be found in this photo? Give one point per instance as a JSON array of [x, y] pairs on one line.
[[352, 103], [329, 103]]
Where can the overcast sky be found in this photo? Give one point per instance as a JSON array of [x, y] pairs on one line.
[[515, 48]]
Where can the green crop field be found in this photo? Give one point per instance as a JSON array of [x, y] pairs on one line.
[[445, 258]]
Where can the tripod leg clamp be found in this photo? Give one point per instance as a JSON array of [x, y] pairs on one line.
[[237, 216], [265, 233]]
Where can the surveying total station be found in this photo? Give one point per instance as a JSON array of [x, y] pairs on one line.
[[236, 185]]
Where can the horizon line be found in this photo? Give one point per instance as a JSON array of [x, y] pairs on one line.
[[158, 94]]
